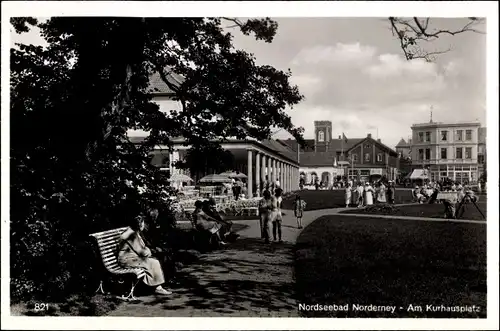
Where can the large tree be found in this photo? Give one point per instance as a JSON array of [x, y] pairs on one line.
[[73, 168]]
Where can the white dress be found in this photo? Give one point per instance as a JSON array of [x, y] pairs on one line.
[[348, 195], [369, 195]]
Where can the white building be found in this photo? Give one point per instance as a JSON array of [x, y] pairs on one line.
[[449, 150]]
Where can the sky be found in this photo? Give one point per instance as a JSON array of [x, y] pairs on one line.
[[353, 73]]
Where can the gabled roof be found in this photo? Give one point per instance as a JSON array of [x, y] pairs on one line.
[[158, 87], [380, 144], [402, 143]]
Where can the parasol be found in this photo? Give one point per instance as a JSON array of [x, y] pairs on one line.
[[180, 178], [233, 174], [215, 179]]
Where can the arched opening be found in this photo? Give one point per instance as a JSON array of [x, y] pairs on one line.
[[314, 177], [325, 178]]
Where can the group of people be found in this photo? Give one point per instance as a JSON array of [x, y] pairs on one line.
[[365, 195], [271, 216], [207, 219], [236, 187]]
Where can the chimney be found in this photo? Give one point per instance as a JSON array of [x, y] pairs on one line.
[[380, 141], [369, 135]]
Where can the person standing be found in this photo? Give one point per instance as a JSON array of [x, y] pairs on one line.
[[348, 195], [265, 208], [381, 195], [298, 207], [368, 194], [277, 216], [239, 185], [360, 191], [391, 193]]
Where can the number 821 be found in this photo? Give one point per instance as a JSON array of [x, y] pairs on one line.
[[41, 306]]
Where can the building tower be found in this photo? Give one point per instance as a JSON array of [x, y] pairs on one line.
[[322, 135]]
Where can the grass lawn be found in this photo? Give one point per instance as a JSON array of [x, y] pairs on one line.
[[426, 210], [334, 198], [343, 260]]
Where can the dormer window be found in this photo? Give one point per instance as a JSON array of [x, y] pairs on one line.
[[321, 136]]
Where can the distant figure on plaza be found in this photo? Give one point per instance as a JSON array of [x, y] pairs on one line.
[[277, 217], [391, 193], [348, 195], [205, 223], [298, 208], [479, 188], [265, 209], [381, 193], [237, 188], [316, 184], [133, 253], [368, 194], [360, 191]]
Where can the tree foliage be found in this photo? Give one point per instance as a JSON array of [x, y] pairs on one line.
[[415, 35], [73, 169]]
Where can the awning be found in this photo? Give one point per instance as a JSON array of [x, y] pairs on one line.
[[418, 174]]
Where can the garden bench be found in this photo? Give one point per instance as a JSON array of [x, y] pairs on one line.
[[107, 242]]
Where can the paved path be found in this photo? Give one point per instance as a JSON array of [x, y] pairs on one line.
[[246, 279]]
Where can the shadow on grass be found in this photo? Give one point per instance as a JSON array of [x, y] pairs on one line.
[[470, 212], [342, 260]]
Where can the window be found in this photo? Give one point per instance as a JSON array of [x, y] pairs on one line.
[[480, 159], [379, 157], [459, 135], [444, 153], [459, 153], [321, 136], [442, 174], [421, 137], [468, 152], [355, 157], [468, 134], [367, 157], [444, 135], [367, 146], [420, 154], [427, 154], [428, 136]]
